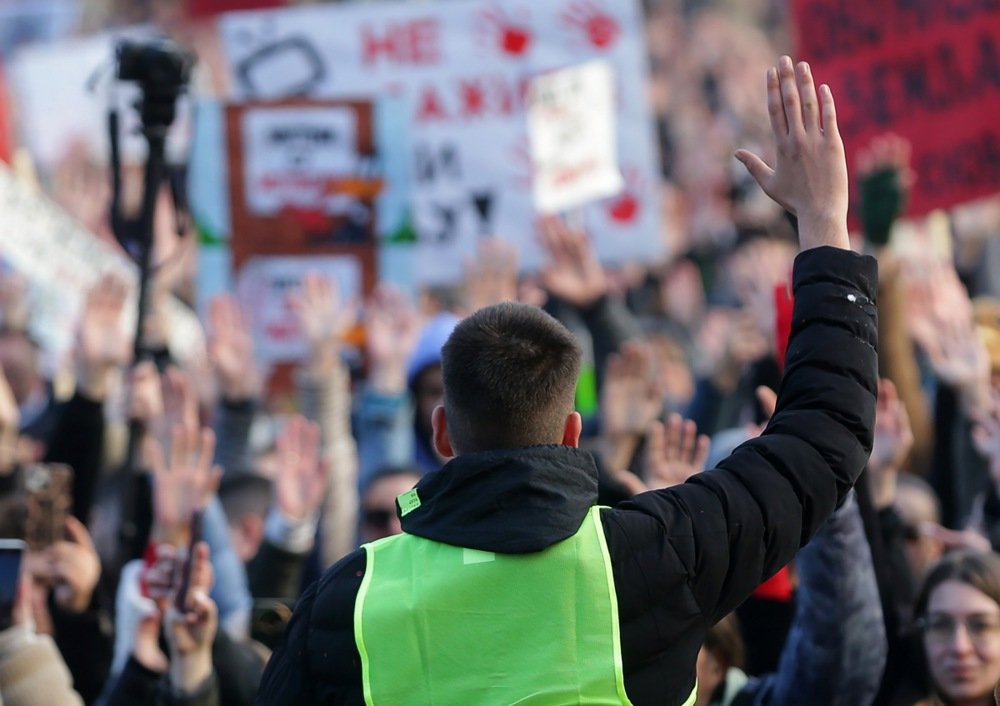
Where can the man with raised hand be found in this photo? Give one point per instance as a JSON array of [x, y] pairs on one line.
[[508, 584]]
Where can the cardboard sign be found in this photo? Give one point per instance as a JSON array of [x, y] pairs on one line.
[[303, 185], [303, 180], [263, 287], [292, 155], [460, 71], [923, 69], [571, 125]]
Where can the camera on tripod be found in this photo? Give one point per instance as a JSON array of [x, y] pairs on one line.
[[162, 69]]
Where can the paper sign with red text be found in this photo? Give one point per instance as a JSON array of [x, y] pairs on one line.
[[571, 126]]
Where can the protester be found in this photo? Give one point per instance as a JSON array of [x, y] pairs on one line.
[[958, 613], [509, 375], [313, 454]]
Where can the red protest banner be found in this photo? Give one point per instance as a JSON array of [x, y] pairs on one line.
[[928, 70]]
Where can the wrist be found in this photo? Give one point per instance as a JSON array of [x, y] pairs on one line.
[[823, 229], [244, 389], [388, 378], [883, 486], [93, 381], [324, 355], [189, 673]]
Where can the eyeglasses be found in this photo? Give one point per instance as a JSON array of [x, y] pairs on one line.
[[941, 628], [377, 517]]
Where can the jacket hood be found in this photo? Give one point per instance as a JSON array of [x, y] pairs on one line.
[[512, 501]]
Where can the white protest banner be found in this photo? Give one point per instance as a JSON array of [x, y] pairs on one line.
[[263, 287], [61, 261], [461, 69], [571, 126]]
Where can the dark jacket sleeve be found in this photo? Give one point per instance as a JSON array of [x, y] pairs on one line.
[[138, 685], [78, 441], [317, 661], [206, 695], [86, 642], [733, 527], [286, 679], [134, 685], [276, 573], [238, 669], [836, 649]]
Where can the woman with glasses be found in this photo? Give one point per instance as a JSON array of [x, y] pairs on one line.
[[958, 612]]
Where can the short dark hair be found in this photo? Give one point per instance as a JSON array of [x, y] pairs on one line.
[[245, 494], [980, 570], [510, 373]]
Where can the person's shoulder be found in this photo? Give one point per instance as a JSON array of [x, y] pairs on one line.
[[336, 592]]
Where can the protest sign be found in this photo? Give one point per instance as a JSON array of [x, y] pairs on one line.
[[928, 70], [303, 183], [571, 128], [263, 287], [460, 70], [61, 261]]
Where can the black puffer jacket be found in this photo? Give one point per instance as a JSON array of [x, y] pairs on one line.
[[683, 557]]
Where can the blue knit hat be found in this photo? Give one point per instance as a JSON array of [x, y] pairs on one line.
[[432, 340]]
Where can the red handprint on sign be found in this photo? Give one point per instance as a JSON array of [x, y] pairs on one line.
[[625, 207], [599, 27], [511, 37]]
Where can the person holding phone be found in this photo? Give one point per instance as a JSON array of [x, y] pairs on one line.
[[32, 672]]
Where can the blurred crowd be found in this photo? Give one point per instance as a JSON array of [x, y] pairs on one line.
[[896, 601]]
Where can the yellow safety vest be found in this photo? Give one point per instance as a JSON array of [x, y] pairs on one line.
[[440, 624]]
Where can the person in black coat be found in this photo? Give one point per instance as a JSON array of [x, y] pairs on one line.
[[681, 558]]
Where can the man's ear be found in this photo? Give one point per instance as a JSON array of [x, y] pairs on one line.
[[572, 430], [442, 442]]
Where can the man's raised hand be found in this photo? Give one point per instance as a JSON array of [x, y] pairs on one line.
[[809, 177]]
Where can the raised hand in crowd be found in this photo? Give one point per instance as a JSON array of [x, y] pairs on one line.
[[941, 322], [74, 567], [300, 482], [572, 271], [893, 441], [886, 179], [754, 271], [491, 277], [103, 344], [324, 319], [182, 484], [675, 453], [10, 424], [231, 351], [986, 436], [145, 402], [14, 312], [730, 341], [630, 401], [809, 177], [392, 328], [191, 631]]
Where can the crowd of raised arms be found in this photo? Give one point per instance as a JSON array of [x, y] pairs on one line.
[[894, 600]]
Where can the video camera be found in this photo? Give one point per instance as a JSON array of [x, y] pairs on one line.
[[162, 69]]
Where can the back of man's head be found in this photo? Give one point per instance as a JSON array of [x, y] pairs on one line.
[[510, 374]]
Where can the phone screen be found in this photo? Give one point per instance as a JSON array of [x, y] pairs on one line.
[[11, 552]]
